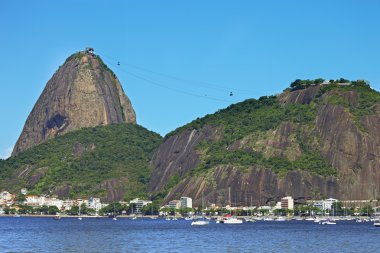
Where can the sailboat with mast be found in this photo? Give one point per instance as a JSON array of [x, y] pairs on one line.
[[201, 222], [228, 218]]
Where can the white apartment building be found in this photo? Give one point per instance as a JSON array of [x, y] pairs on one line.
[[34, 200], [94, 203], [325, 204], [186, 202], [138, 204], [54, 202]]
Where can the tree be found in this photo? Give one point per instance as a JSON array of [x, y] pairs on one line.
[[74, 210], [297, 84], [53, 210], [151, 209], [319, 81], [20, 198], [366, 210]]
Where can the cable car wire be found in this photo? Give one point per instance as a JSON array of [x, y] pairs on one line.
[[194, 82]]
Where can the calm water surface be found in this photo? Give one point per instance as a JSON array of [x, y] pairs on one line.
[[145, 235]]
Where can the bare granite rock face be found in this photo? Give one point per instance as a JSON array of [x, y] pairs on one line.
[[348, 143], [82, 93]]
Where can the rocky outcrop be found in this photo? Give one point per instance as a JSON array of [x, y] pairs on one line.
[[304, 96], [353, 151], [82, 93], [347, 142], [228, 185], [178, 154]]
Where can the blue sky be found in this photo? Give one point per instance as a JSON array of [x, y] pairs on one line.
[[193, 53]]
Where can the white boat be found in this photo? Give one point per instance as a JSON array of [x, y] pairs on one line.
[[250, 220], [228, 219], [376, 224], [328, 222], [114, 218], [281, 219], [310, 219], [268, 219], [200, 223], [79, 218]]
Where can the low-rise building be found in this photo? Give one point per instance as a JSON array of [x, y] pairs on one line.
[[176, 204], [54, 202], [6, 198], [34, 200], [325, 204]]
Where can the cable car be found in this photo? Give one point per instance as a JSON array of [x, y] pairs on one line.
[[118, 63], [231, 94]]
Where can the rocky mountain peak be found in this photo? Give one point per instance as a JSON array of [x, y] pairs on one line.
[[83, 92]]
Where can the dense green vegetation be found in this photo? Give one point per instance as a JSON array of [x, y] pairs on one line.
[[365, 104], [254, 116], [83, 160]]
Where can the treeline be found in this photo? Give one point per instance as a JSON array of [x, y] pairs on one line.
[[299, 84]]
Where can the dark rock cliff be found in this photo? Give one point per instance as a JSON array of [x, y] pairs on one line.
[[82, 93], [345, 139]]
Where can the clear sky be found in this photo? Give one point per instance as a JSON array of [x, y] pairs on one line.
[[180, 59]]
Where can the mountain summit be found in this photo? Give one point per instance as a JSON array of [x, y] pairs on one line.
[[83, 92]]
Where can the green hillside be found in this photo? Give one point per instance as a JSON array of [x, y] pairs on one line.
[[253, 121], [88, 162]]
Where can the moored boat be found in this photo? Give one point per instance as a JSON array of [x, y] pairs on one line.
[[200, 222], [229, 219]]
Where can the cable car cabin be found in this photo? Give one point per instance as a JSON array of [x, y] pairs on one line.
[[231, 94]]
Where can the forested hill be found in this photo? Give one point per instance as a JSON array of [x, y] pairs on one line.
[[316, 139], [111, 162]]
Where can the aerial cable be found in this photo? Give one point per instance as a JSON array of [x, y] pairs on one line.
[[139, 76], [204, 84]]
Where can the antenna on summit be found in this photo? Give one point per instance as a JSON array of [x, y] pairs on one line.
[[90, 50]]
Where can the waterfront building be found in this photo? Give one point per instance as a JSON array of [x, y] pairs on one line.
[[138, 204], [6, 198], [277, 206], [53, 202], [186, 202], [287, 203], [67, 204], [325, 204], [94, 203], [176, 204], [34, 200]]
